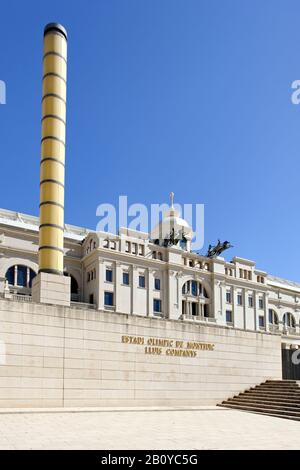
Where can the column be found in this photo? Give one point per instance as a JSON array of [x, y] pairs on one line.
[[134, 285], [245, 292], [117, 283], [233, 304], [150, 288], [100, 291], [255, 299], [266, 310]]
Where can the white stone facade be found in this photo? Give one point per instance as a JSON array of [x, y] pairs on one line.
[[128, 273]]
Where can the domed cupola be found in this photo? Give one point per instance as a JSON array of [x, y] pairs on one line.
[[172, 230]]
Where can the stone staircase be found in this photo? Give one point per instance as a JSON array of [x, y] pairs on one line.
[[280, 398]]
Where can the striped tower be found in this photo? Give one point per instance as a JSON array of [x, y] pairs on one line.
[[52, 174], [51, 242]]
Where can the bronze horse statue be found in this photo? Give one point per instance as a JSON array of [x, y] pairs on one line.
[[214, 251]]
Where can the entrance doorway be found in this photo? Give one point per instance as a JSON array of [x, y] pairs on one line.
[[290, 364]]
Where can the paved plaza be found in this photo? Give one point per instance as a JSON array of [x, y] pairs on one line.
[[201, 428]]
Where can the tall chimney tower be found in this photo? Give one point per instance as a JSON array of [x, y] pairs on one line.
[[51, 286]]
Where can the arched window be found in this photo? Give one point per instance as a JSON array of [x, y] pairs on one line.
[[273, 317], [195, 289], [10, 276], [289, 320], [20, 276], [74, 286], [192, 305], [183, 244]]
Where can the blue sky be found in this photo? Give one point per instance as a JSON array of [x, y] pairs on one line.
[[188, 96]]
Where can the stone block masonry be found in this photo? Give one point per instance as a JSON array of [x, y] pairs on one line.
[[55, 356]]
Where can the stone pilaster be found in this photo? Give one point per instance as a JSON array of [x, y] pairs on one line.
[[118, 282]]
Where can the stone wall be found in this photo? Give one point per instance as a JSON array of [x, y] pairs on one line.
[[60, 356]]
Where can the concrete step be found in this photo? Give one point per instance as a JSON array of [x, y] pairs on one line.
[[277, 389], [262, 410], [293, 393], [259, 399], [273, 392], [281, 381], [265, 412], [273, 398], [264, 405], [279, 384]]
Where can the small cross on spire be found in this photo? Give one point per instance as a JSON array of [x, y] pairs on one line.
[[172, 199]]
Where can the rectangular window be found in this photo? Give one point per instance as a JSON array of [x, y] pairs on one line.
[[157, 284], [250, 301], [142, 282], [108, 298], [141, 250], [127, 247], [228, 297], [194, 288], [261, 321], [109, 275], [228, 316], [91, 299], [271, 320], [239, 299], [261, 303], [157, 305], [22, 276], [134, 248], [194, 308], [126, 279]]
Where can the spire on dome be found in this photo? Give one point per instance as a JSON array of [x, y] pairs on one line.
[[172, 200], [172, 230]]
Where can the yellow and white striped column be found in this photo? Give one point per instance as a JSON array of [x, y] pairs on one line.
[[52, 175]]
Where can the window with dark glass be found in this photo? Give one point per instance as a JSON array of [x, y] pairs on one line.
[[142, 281], [31, 276], [108, 298], [157, 305], [270, 315], [157, 284], [206, 310], [194, 288], [183, 244], [126, 279], [22, 276], [273, 318], [239, 299], [250, 301], [228, 297], [10, 275], [289, 320], [261, 321], [109, 275], [228, 316], [194, 308], [261, 303]]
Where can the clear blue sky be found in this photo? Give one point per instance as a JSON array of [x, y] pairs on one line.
[[189, 96]]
